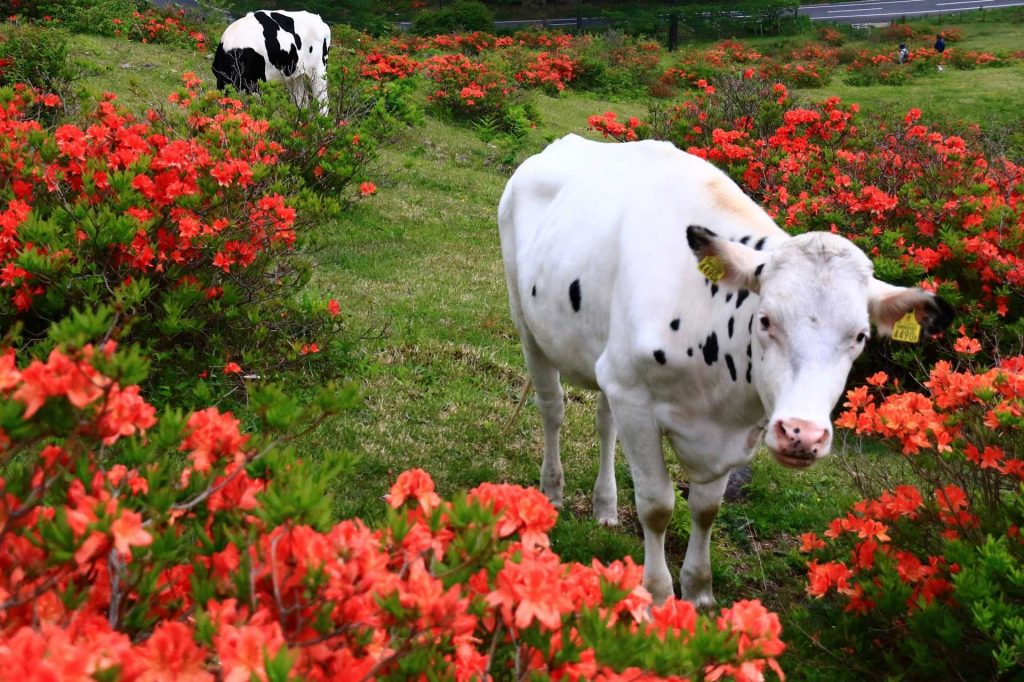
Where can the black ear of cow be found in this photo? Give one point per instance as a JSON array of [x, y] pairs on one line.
[[699, 238], [938, 315]]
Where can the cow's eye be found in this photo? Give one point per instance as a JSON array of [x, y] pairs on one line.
[[862, 337], [765, 322]]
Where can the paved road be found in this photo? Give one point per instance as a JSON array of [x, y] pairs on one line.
[[890, 10]]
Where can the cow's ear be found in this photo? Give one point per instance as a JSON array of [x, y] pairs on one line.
[[741, 265], [888, 303]]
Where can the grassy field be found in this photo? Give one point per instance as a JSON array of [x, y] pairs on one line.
[[418, 272]]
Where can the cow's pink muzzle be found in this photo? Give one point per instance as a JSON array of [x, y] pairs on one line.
[[799, 442]]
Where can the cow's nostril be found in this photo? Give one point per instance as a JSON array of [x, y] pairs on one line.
[[796, 430]]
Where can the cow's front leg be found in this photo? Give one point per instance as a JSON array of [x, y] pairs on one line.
[[606, 495], [655, 498], [298, 86], [320, 92], [695, 575]]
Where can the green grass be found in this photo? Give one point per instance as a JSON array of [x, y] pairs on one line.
[[142, 75], [418, 272], [987, 96]]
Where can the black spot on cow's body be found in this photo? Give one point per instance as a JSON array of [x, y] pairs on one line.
[[285, 61], [242, 68], [689, 352], [711, 348], [326, 48], [574, 295], [731, 365], [744, 240], [749, 350], [732, 323], [760, 243], [533, 291], [728, 297], [750, 366], [714, 289], [750, 325], [741, 296], [659, 355], [758, 270], [674, 324]]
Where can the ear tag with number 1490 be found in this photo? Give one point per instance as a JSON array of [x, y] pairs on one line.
[[711, 267], [907, 329]]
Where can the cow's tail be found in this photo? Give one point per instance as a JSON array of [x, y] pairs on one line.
[[522, 401]]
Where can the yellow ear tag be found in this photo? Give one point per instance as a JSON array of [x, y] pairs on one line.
[[711, 267], [907, 329]]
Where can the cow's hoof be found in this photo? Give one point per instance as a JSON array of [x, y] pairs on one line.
[[605, 511], [704, 603]]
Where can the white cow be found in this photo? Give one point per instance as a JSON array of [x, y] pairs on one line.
[[601, 244], [276, 46]]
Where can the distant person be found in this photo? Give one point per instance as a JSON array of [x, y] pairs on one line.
[[940, 47], [903, 54]]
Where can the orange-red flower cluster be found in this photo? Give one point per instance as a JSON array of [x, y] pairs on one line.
[[609, 125], [548, 69], [167, 188], [445, 585], [466, 86], [937, 421], [156, 26]]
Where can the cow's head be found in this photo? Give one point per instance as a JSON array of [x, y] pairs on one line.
[[818, 298]]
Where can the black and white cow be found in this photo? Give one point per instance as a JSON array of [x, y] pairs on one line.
[[601, 244], [290, 47]]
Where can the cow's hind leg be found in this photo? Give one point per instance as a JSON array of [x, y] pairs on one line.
[[606, 498], [550, 402], [695, 575]]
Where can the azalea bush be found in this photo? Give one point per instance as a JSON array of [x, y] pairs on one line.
[[153, 25], [614, 64], [138, 546], [329, 158], [472, 91], [38, 57], [551, 71], [929, 571], [177, 220]]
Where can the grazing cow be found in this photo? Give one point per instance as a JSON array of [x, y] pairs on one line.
[[290, 47], [601, 244]]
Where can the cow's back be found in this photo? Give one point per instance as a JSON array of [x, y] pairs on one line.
[[289, 42], [594, 241]]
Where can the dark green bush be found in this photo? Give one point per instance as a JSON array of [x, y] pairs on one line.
[[83, 16], [37, 57], [459, 17], [614, 64], [205, 268]]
